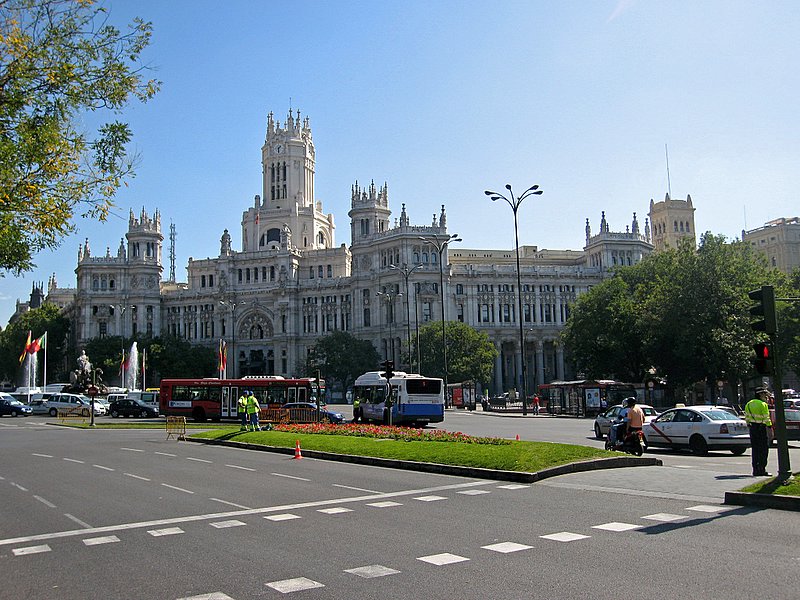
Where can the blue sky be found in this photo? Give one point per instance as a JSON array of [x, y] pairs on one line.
[[444, 99]]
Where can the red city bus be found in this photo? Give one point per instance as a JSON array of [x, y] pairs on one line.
[[216, 399]]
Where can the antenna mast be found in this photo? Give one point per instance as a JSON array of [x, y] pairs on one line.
[[172, 236], [669, 184]]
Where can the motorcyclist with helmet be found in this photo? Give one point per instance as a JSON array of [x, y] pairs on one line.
[[631, 420]]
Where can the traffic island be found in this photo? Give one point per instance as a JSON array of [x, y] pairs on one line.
[[768, 494]]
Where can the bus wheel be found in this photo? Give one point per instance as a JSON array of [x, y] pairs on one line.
[[198, 414]]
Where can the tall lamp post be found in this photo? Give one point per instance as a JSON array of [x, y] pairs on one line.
[[405, 271], [121, 308], [389, 297], [232, 305], [514, 203], [441, 245]]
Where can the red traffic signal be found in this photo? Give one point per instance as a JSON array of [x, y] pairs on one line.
[[763, 359]]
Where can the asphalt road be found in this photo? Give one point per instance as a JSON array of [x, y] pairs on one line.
[[128, 514]]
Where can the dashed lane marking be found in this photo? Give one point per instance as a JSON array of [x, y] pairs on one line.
[[290, 476], [442, 559], [231, 504], [137, 476], [712, 508], [513, 486], [336, 510], [31, 550], [565, 536], [430, 498], [664, 517], [473, 492], [202, 460], [282, 517], [387, 504], [506, 547], [165, 531], [165, 454], [357, 489], [240, 467], [47, 503], [176, 488], [614, 526], [74, 460], [211, 596], [78, 521], [372, 571], [132, 449], [298, 584], [19, 487], [103, 468], [42, 455], [107, 539], [226, 524]]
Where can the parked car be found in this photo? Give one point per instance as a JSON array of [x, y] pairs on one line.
[[791, 403], [128, 407], [603, 421], [73, 402], [792, 417], [13, 407], [299, 411], [39, 407], [699, 428]]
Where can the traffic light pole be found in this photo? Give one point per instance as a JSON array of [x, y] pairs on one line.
[[784, 466]]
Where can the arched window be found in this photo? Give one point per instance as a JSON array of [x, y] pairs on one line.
[[681, 226], [321, 239], [416, 258], [675, 224], [687, 227], [433, 258], [425, 258]]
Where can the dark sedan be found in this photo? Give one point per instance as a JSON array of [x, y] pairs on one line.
[[12, 407], [127, 407], [307, 411]]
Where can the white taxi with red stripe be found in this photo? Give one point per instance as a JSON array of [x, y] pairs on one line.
[[699, 428]]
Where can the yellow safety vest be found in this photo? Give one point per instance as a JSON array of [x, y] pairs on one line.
[[757, 412], [242, 404], [356, 403], [252, 405]]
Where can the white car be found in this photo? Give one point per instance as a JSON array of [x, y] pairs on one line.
[[699, 428], [76, 404], [603, 421]]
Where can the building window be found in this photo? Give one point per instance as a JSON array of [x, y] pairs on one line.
[[272, 273], [240, 276], [103, 329], [202, 281], [319, 271], [366, 318], [459, 288], [210, 281]]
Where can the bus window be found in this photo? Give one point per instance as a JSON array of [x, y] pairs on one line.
[[302, 395], [292, 394], [378, 395]]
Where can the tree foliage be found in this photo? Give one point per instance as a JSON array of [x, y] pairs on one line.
[[470, 353], [683, 313], [47, 318], [341, 358], [60, 59]]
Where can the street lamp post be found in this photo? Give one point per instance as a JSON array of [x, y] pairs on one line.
[[389, 297], [441, 245], [232, 305], [405, 271], [514, 203], [121, 308]]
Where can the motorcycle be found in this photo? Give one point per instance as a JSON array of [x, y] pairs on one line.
[[631, 442]]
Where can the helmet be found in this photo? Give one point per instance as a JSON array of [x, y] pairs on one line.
[[630, 400]]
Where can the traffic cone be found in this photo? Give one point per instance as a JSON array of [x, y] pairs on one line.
[[517, 437], [297, 453]]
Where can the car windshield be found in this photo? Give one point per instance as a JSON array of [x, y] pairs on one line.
[[719, 415], [649, 411], [792, 415]]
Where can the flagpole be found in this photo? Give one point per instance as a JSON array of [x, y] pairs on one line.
[[144, 362], [44, 373]]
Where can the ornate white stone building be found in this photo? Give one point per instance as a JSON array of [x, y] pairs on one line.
[[290, 283]]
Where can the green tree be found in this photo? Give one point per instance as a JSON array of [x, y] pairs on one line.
[[341, 358], [47, 318], [470, 353], [59, 60]]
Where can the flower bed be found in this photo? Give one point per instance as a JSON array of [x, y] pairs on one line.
[[390, 433]]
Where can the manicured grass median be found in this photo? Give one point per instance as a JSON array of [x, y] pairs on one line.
[[489, 454], [773, 486]]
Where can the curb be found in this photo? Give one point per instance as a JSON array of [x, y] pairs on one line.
[[763, 500], [477, 473]]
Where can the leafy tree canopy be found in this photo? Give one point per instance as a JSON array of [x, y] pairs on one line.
[[470, 354], [47, 318], [341, 357], [60, 59]]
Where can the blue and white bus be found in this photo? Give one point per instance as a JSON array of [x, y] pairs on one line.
[[417, 400]]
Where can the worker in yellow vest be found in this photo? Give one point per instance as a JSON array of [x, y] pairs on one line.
[[756, 413], [241, 410], [253, 409], [356, 409]]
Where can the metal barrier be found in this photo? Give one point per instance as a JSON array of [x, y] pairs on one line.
[[176, 426], [72, 415], [288, 415]]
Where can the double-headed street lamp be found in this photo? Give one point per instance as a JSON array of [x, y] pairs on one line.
[[232, 305], [514, 203], [405, 271], [389, 297], [441, 245]]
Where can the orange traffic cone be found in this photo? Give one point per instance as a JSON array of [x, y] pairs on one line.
[[297, 453], [517, 437]]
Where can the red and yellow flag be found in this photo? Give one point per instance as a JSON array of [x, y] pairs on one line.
[[25, 349]]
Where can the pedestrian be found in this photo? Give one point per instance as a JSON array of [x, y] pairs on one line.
[[356, 409], [241, 410], [536, 404], [253, 409], [756, 413]]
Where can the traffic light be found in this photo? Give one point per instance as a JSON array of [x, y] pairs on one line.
[[765, 309], [763, 359], [388, 373]]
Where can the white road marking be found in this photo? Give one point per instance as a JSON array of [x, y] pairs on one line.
[[108, 539], [357, 489], [336, 510], [165, 454], [430, 498], [386, 504], [78, 521], [506, 547], [290, 476], [75, 460], [132, 449], [19, 487], [614, 526], [442, 559], [710, 508], [230, 503], [31, 550], [202, 460], [474, 492], [42, 455], [664, 517], [565, 536], [211, 596], [294, 585], [372, 571], [45, 502], [513, 486], [102, 467], [173, 487], [238, 513], [238, 467], [166, 531], [226, 524], [137, 476], [282, 517]]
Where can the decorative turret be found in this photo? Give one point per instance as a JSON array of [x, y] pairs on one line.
[[225, 244], [403, 217], [370, 212], [443, 219], [588, 230], [635, 225]]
